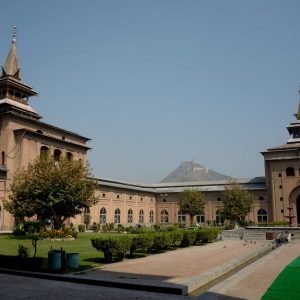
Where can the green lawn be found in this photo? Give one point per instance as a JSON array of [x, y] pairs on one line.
[[89, 256], [286, 285]]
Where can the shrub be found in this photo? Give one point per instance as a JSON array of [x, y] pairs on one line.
[[113, 245], [86, 219], [129, 229], [189, 237], [95, 227], [139, 229], [162, 240], [176, 237], [274, 224], [19, 231], [33, 226], [66, 233], [245, 223], [81, 228], [108, 227], [156, 227], [142, 241], [120, 228], [23, 252], [206, 234]]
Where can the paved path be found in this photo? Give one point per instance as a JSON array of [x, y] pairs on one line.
[[20, 288], [249, 283], [185, 269], [253, 281]]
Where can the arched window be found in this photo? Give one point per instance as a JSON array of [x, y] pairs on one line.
[[141, 216], [2, 158], [44, 150], [290, 171], [117, 216], [181, 217], [69, 156], [102, 215], [57, 154], [164, 217], [262, 216], [151, 216], [219, 218], [130, 216]]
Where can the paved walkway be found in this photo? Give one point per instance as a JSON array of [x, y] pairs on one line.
[[178, 268], [253, 281], [183, 269]]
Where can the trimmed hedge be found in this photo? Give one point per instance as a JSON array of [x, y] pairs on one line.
[[162, 240], [176, 237], [117, 245], [144, 241], [273, 224], [189, 238], [206, 235]]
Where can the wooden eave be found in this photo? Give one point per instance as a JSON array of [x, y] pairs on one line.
[[19, 85], [40, 136]]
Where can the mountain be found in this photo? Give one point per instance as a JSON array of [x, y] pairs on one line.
[[193, 171]]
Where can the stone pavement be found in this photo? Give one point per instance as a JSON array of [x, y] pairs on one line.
[[252, 282], [183, 270], [184, 265], [14, 287]]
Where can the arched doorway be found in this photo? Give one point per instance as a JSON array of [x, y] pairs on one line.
[[298, 209], [294, 202]]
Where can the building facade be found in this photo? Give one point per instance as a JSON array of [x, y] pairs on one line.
[[23, 137]]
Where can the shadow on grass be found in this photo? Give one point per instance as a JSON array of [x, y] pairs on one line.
[[18, 237]]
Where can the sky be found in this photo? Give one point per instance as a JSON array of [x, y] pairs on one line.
[[154, 83]]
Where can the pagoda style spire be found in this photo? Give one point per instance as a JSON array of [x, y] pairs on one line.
[[298, 112], [294, 127], [14, 93], [11, 67]]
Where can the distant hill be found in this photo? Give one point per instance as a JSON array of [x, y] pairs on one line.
[[193, 171]]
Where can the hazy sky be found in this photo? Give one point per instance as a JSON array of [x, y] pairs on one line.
[[157, 82]]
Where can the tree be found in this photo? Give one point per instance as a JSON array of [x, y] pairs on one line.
[[237, 202], [191, 202], [50, 189]]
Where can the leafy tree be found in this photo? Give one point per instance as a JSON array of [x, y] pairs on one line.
[[191, 202], [237, 202], [49, 189]]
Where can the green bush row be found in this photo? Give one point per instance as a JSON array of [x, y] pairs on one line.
[[118, 245], [114, 244], [273, 224]]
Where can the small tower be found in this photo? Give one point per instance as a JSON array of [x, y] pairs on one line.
[[294, 127], [14, 93]]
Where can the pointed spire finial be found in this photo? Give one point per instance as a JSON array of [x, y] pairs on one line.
[[14, 39], [11, 66], [298, 112]]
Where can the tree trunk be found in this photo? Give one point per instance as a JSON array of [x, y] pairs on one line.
[[57, 223]]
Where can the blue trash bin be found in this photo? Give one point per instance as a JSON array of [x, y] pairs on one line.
[[55, 260], [73, 260]]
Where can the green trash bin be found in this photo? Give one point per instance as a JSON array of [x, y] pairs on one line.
[[55, 260], [73, 260]]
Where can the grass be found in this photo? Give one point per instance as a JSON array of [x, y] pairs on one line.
[[89, 256], [286, 285]]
